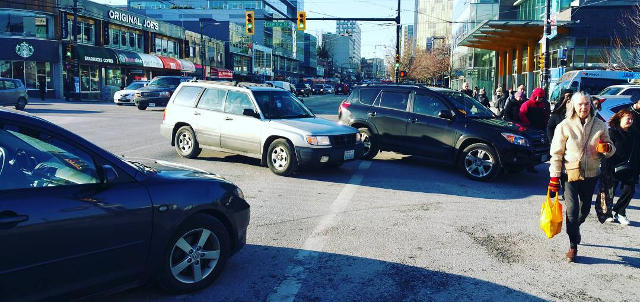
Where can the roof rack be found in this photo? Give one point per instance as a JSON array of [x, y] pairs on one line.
[[250, 84]]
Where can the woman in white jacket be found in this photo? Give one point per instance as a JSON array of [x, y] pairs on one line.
[[579, 143]]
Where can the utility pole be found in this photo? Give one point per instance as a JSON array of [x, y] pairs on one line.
[[545, 47], [202, 52], [398, 28], [76, 68]]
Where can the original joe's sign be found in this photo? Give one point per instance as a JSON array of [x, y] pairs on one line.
[[134, 20]]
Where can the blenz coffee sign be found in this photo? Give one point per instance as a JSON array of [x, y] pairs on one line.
[[133, 20]]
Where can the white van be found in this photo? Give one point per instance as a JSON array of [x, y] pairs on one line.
[[590, 81]]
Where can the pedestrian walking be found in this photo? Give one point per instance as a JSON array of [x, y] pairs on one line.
[[483, 99], [534, 112], [597, 105], [523, 90], [579, 143], [512, 111], [558, 113], [626, 158], [475, 92], [42, 85], [501, 98], [466, 90]]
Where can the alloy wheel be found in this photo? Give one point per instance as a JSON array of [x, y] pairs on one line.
[[279, 158], [194, 256], [185, 142], [479, 163]]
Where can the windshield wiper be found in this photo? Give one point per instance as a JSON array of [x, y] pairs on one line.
[[142, 166]]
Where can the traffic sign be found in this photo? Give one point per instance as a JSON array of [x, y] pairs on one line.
[[276, 24]]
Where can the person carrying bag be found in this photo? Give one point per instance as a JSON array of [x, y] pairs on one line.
[[580, 141]]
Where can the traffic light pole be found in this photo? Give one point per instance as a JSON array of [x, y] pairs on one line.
[[76, 68], [398, 28], [545, 47]]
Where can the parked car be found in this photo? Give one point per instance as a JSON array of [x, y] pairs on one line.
[[342, 88], [318, 89], [611, 104], [126, 95], [441, 124], [261, 122], [328, 88], [630, 90], [283, 85], [13, 93], [303, 89], [81, 221], [158, 91]]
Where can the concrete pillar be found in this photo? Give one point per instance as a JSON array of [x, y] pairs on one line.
[[518, 65], [500, 67], [530, 68], [509, 62]]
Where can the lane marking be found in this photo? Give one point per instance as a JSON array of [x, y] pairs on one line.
[[306, 257]]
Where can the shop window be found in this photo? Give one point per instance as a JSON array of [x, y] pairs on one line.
[[5, 69], [139, 46], [132, 40], [25, 24], [123, 39], [158, 45], [171, 48], [89, 81], [113, 77], [115, 37]]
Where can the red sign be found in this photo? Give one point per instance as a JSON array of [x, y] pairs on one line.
[[220, 73]]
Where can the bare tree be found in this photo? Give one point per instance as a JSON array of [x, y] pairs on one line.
[[624, 53]]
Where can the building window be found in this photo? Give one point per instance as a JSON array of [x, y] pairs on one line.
[[123, 39], [115, 37], [132, 40], [26, 24]]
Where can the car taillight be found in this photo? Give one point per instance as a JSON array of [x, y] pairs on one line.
[[164, 114], [344, 104]]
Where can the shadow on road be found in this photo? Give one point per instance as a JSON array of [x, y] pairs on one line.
[[60, 111], [416, 174], [257, 271]]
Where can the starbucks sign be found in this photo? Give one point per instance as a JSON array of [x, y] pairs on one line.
[[24, 49]]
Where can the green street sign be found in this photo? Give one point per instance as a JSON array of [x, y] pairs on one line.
[[276, 24]]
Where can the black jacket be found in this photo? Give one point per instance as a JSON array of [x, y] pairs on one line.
[[502, 101], [484, 100], [468, 92], [636, 117], [626, 142], [554, 120], [512, 111]]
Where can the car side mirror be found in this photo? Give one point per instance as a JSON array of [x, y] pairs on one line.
[[445, 114], [110, 174], [250, 112]]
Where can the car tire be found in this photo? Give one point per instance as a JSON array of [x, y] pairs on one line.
[[281, 157], [186, 143], [22, 102], [119, 104], [370, 148], [178, 273], [141, 106], [480, 162]]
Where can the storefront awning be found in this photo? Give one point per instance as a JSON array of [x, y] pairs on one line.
[[150, 60], [170, 63], [501, 35], [128, 58], [187, 66], [94, 55], [220, 73]]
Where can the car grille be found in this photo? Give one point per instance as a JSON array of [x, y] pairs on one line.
[[150, 94], [345, 140]]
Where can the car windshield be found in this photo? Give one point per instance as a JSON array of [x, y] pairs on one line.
[[468, 105], [165, 82], [135, 86], [280, 105], [595, 85], [611, 91]]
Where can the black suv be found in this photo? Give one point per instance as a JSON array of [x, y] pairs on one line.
[[441, 124], [158, 91]]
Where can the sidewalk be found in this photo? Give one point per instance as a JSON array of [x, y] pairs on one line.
[[38, 101]]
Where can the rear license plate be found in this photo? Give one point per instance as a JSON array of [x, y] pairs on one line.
[[152, 104], [349, 154]]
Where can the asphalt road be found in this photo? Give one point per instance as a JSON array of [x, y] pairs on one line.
[[397, 228]]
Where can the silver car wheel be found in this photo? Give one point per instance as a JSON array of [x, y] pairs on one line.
[[194, 256], [185, 142], [279, 158], [479, 163], [366, 142]]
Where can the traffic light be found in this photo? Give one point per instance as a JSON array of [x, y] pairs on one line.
[[68, 54], [403, 74], [397, 61], [541, 62], [250, 25], [302, 20]]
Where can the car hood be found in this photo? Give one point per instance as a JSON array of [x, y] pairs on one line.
[[125, 91], [171, 170], [312, 126], [503, 126]]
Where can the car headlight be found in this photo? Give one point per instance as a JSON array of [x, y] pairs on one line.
[[516, 139], [137, 94], [318, 140], [238, 192], [165, 94]]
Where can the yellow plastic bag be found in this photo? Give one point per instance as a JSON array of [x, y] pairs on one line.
[[551, 216]]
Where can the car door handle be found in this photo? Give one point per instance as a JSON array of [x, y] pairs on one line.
[[372, 114], [13, 219], [228, 118], [413, 120], [196, 113]]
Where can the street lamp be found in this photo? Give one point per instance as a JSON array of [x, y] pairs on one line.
[[202, 46]]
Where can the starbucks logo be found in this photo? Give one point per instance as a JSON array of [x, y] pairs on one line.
[[24, 49]]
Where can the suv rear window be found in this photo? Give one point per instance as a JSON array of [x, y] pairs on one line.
[[368, 95], [187, 96]]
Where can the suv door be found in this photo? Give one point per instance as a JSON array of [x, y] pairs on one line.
[[240, 133], [428, 133], [210, 107], [61, 227], [389, 116]]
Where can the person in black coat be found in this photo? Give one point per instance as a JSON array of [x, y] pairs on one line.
[[512, 111], [483, 99], [626, 142], [558, 113]]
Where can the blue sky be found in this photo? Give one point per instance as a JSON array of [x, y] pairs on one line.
[[377, 37]]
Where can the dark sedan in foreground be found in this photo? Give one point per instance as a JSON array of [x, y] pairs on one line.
[[78, 221]]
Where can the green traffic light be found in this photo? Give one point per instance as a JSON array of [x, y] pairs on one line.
[[397, 65]]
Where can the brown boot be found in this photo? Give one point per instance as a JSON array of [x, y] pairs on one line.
[[571, 255]]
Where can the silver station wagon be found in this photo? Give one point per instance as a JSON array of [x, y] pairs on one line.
[[270, 124]]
